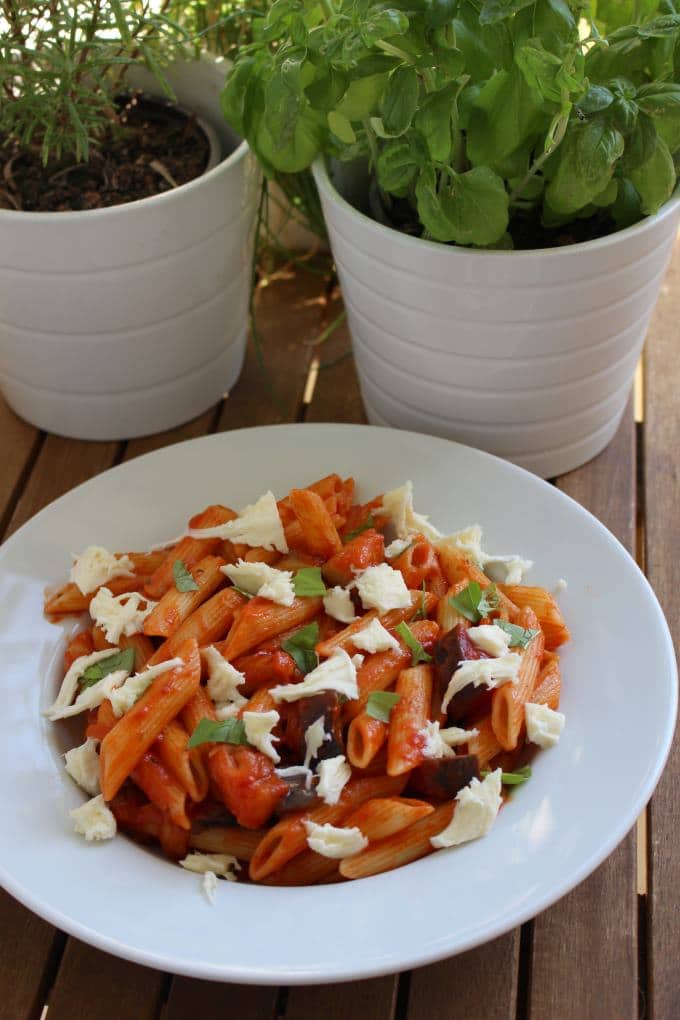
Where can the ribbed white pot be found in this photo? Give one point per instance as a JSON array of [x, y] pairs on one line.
[[129, 320], [528, 354]]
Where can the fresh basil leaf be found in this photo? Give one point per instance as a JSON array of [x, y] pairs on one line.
[[98, 670], [230, 731], [367, 524], [308, 581], [655, 179], [512, 778], [380, 704], [418, 653], [301, 647], [400, 100], [519, 637], [184, 581], [421, 613], [474, 602]]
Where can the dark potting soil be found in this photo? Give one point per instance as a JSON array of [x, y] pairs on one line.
[[151, 147]]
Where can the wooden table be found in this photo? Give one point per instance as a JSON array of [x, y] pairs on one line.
[[607, 951]]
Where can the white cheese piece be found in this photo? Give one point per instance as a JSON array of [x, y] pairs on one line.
[[330, 841], [398, 506], [259, 726], [469, 541], [506, 569], [97, 566], [338, 673], [334, 774], [375, 638], [292, 771], [544, 725], [475, 812], [94, 820], [492, 672], [338, 604], [62, 706], [397, 547], [382, 588], [263, 580], [358, 660], [490, 638], [258, 525], [223, 682], [209, 886], [119, 614], [560, 586], [227, 710], [123, 698], [440, 743], [82, 765], [223, 865], [315, 736]]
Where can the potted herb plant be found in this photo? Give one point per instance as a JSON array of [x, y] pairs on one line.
[[497, 178], [126, 218]]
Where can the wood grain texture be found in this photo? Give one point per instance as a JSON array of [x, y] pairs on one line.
[[356, 1000], [584, 959], [210, 1000], [93, 984], [30, 947], [336, 396], [18, 443], [662, 490], [479, 984]]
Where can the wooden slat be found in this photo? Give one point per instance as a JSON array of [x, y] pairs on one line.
[[584, 960], [30, 948], [94, 984], [363, 1000], [479, 984], [662, 488], [209, 1000], [18, 443]]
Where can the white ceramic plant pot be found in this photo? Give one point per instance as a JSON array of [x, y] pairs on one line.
[[129, 320], [528, 354]]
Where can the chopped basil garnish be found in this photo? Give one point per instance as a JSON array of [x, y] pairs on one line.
[[519, 637], [474, 602], [512, 778], [418, 653], [380, 704], [308, 581], [183, 579], [230, 731], [98, 670], [421, 611], [367, 524], [301, 647]]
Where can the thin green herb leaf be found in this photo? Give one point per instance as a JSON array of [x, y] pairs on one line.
[[418, 653], [230, 731], [98, 670], [474, 602], [301, 647], [308, 581], [421, 611], [184, 581], [380, 704], [368, 523], [512, 778], [519, 637]]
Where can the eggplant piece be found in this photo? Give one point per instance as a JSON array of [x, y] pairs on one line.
[[298, 715], [442, 778], [453, 648], [299, 796]]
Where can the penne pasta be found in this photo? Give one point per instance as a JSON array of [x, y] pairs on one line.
[[188, 550], [365, 737], [383, 816], [151, 776], [186, 766], [548, 684], [420, 601], [175, 606], [546, 609], [401, 848], [226, 839], [405, 745], [207, 624], [507, 702], [320, 535], [261, 619]]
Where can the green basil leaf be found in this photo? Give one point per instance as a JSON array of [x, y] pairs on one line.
[[380, 704], [497, 10], [418, 653], [512, 778], [367, 524], [434, 121], [586, 161], [341, 127], [421, 613], [301, 647], [381, 24], [519, 637], [230, 731], [597, 98], [308, 581], [400, 100], [655, 179], [396, 167], [183, 578], [474, 602], [98, 670]]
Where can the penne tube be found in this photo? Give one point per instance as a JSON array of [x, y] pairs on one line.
[[151, 776], [383, 816], [247, 783], [189, 550], [507, 702], [485, 745], [134, 733], [198, 707], [456, 567], [78, 645], [265, 668], [365, 737], [419, 600], [170, 747], [548, 684], [69, 599], [143, 646], [546, 609], [175, 606], [260, 701], [261, 619], [320, 534], [207, 624], [308, 868], [145, 822], [366, 550], [226, 839], [419, 563], [144, 563], [401, 848], [408, 717], [448, 616]]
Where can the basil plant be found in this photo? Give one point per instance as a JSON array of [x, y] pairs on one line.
[[479, 120]]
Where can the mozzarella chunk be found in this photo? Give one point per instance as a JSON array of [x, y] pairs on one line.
[[292, 771], [506, 569], [82, 765], [119, 614], [123, 698], [491, 672], [475, 812], [259, 726], [439, 743], [397, 547], [338, 604], [62, 705], [223, 681], [263, 580], [544, 725], [223, 865], [315, 736], [330, 841], [382, 588], [227, 710], [209, 886], [374, 638], [334, 774], [258, 525], [560, 586], [97, 566], [398, 506], [338, 673], [490, 638], [94, 820]]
